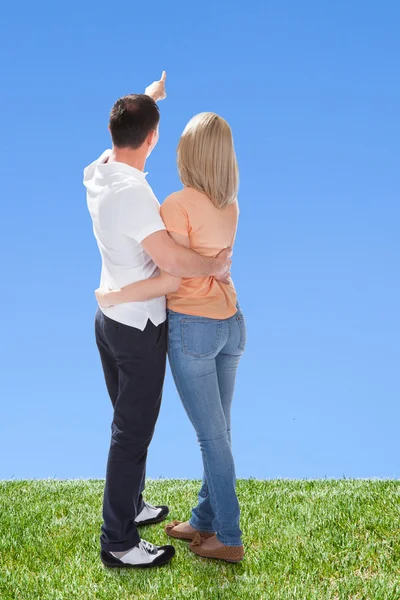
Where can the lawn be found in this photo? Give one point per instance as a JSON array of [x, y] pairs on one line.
[[320, 539]]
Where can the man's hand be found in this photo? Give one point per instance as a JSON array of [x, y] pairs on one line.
[[169, 255], [157, 89], [223, 264], [104, 297]]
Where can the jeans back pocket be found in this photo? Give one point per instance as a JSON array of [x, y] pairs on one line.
[[200, 336]]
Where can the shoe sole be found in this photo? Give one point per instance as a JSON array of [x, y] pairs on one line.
[[225, 559], [159, 562], [219, 558]]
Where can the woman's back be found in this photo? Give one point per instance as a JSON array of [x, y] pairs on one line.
[[209, 230]]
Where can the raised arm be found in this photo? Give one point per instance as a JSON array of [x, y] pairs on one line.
[[170, 256], [157, 89]]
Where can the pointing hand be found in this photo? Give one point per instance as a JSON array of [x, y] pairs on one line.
[[157, 89]]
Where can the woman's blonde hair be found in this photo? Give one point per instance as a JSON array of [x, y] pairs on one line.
[[207, 160]]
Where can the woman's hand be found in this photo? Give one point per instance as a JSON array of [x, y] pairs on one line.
[[104, 297]]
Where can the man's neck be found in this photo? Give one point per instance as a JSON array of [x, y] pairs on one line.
[[133, 158]]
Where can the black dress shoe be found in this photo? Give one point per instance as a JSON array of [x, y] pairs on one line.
[[142, 556], [151, 514]]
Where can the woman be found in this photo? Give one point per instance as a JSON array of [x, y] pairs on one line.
[[206, 328]]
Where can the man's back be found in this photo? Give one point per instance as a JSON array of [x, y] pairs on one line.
[[124, 211]]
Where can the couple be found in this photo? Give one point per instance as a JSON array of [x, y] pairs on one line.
[[182, 251]]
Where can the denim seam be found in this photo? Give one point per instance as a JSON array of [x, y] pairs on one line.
[[215, 507], [175, 378], [197, 520], [242, 342], [227, 541], [204, 483]]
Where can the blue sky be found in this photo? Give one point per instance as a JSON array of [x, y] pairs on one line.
[[311, 90]]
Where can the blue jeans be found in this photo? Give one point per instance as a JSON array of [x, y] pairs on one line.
[[204, 355]]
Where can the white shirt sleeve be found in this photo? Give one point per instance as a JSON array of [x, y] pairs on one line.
[[140, 213]]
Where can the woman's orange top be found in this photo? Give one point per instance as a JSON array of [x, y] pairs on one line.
[[209, 229]]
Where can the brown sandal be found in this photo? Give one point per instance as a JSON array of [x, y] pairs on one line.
[[169, 530], [231, 554]]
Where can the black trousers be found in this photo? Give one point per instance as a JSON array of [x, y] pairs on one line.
[[134, 368]]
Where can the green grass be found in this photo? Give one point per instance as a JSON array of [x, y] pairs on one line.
[[303, 539]]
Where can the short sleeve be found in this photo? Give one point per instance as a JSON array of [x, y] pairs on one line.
[[140, 214], [175, 216]]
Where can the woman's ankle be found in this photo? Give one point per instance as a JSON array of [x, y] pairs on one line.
[[199, 527]]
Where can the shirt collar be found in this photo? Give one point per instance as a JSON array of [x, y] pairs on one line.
[[117, 167]]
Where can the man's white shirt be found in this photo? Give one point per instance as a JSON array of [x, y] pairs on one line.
[[124, 212]]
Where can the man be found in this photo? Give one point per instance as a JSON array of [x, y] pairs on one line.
[[131, 338]]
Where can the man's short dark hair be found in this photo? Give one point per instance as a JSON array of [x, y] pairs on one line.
[[132, 118]]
